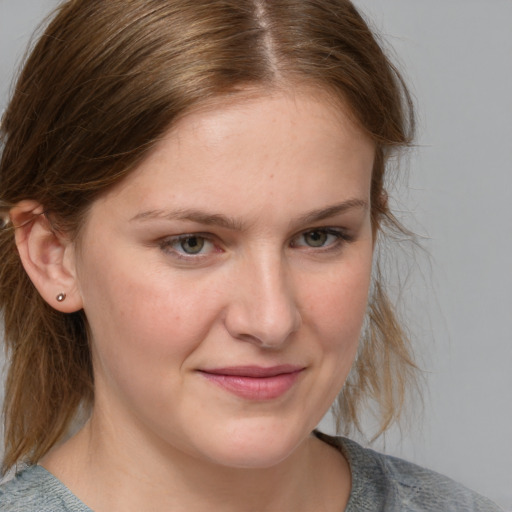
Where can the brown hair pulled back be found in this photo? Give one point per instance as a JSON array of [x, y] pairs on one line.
[[104, 82]]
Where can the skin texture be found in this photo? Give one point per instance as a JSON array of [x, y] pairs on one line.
[[270, 285]]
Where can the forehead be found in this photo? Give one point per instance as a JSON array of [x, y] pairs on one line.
[[254, 147], [281, 107]]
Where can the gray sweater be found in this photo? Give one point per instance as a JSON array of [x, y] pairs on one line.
[[380, 483]]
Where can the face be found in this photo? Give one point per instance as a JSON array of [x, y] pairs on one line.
[[225, 280]]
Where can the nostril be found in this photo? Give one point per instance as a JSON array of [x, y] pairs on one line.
[[265, 310], [267, 327]]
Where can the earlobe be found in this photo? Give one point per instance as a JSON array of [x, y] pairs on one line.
[[47, 256]]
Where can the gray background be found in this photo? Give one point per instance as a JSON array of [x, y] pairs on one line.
[[458, 57]]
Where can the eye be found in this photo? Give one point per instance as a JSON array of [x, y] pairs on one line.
[[316, 238], [192, 244], [188, 245], [320, 238]]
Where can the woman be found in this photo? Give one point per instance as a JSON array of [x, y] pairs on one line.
[[192, 194]]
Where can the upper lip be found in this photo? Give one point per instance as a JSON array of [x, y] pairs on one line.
[[254, 371]]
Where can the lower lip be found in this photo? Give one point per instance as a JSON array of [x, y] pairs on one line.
[[255, 388]]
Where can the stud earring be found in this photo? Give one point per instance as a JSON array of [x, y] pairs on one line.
[[61, 297]]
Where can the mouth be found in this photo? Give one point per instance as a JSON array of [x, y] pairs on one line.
[[255, 382]]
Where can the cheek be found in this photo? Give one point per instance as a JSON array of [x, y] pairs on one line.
[[339, 306], [140, 319], [141, 337], [334, 319]]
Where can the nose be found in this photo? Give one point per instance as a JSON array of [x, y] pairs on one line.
[[264, 308]]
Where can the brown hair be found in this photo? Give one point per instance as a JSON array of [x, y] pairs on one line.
[[105, 81]]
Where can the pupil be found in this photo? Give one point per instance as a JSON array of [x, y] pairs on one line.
[[192, 245], [316, 238]]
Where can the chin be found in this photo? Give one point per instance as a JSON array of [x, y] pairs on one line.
[[257, 446]]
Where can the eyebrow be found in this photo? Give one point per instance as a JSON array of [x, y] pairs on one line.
[[193, 215], [232, 224], [332, 211]]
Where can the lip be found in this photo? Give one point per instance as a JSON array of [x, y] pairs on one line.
[[255, 382]]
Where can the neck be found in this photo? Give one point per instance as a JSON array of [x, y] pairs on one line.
[[107, 474]]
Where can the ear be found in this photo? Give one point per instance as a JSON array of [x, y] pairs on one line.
[[47, 256]]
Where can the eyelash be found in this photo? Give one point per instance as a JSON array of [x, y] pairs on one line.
[[167, 244], [340, 235]]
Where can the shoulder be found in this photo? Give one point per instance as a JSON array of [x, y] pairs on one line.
[[36, 490], [385, 483]]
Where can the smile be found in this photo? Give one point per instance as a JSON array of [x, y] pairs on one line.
[[254, 382]]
